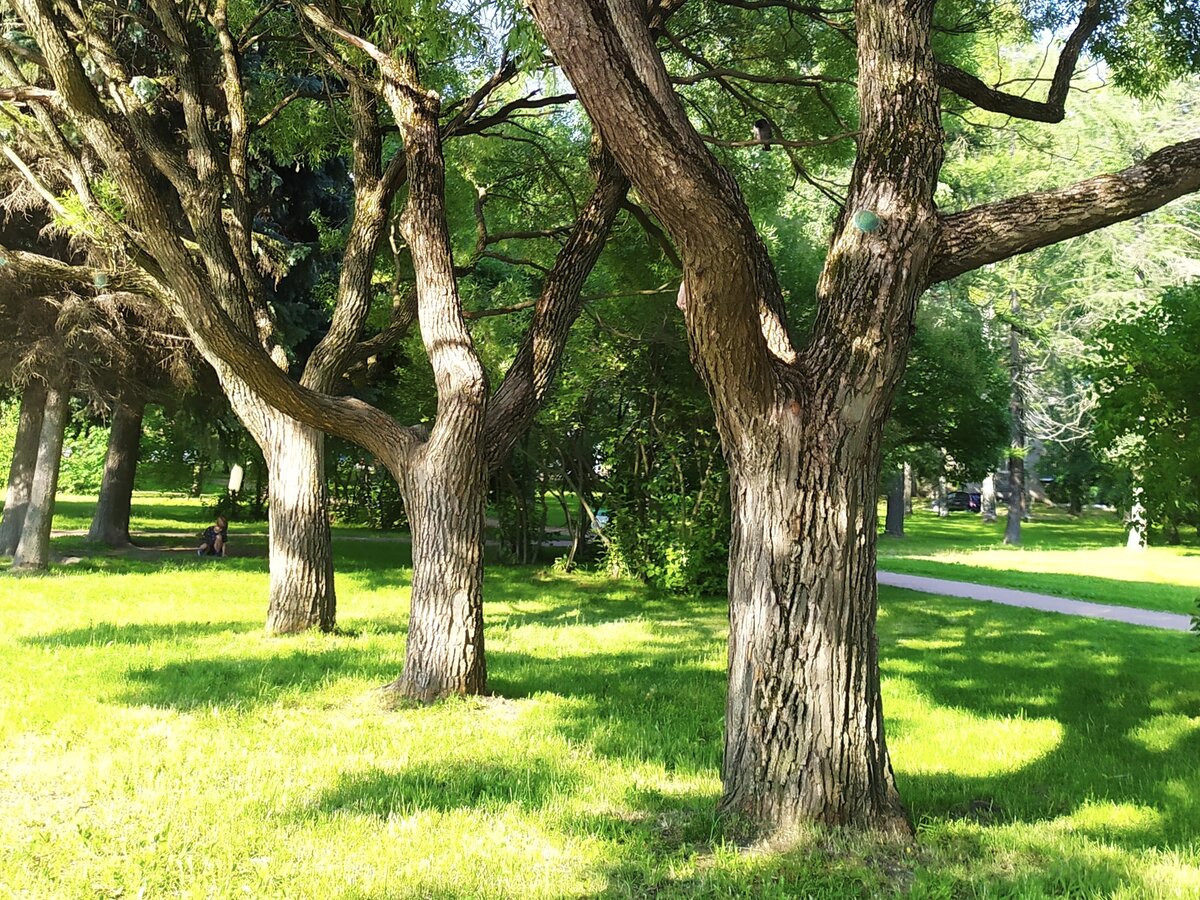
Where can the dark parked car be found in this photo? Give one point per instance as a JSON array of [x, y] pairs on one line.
[[962, 501]]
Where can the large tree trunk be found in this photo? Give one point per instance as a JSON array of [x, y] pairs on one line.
[[1016, 407], [445, 480], [24, 463], [987, 499], [33, 549], [804, 730], [445, 497], [1016, 498], [943, 507], [110, 522], [804, 724], [302, 592], [300, 553], [894, 524]]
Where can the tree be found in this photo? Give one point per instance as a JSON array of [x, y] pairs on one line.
[[1147, 375], [801, 426], [110, 521], [185, 234], [1050, 302], [33, 549], [120, 346], [950, 406], [23, 466]]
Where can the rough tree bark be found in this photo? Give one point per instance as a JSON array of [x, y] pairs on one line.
[[110, 521], [1016, 408], [894, 524], [302, 592], [801, 432], [24, 463], [445, 495], [444, 480], [33, 549]]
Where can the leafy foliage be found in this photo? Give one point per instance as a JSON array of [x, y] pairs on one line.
[[951, 412], [1148, 378]]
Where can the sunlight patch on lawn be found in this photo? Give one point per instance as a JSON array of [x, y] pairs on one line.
[[153, 739], [1164, 733], [1105, 820], [1157, 565], [943, 740], [1167, 874]]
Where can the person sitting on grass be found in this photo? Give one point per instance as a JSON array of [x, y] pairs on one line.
[[216, 537]]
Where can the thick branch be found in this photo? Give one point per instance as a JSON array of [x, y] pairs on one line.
[[654, 234], [528, 379], [735, 311], [1053, 108], [996, 231], [506, 112], [24, 93], [506, 72], [83, 279], [715, 72], [373, 195]]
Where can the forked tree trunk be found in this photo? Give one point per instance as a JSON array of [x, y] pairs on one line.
[[33, 549], [445, 496], [302, 592], [800, 428], [804, 724], [894, 524], [987, 499], [110, 522], [24, 463], [444, 481]]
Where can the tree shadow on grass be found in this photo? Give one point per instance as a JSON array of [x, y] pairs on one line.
[[657, 705], [101, 634], [1124, 701], [522, 593], [247, 681], [445, 786]]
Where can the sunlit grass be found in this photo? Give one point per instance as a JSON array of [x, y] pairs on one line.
[[154, 742], [1084, 558]]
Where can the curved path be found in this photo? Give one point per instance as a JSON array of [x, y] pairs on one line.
[[1045, 602]]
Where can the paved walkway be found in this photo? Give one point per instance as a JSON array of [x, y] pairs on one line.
[[1044, 602]]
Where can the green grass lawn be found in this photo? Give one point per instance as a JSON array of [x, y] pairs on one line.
[[1083, 557], [176, 513], [153, 742]]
